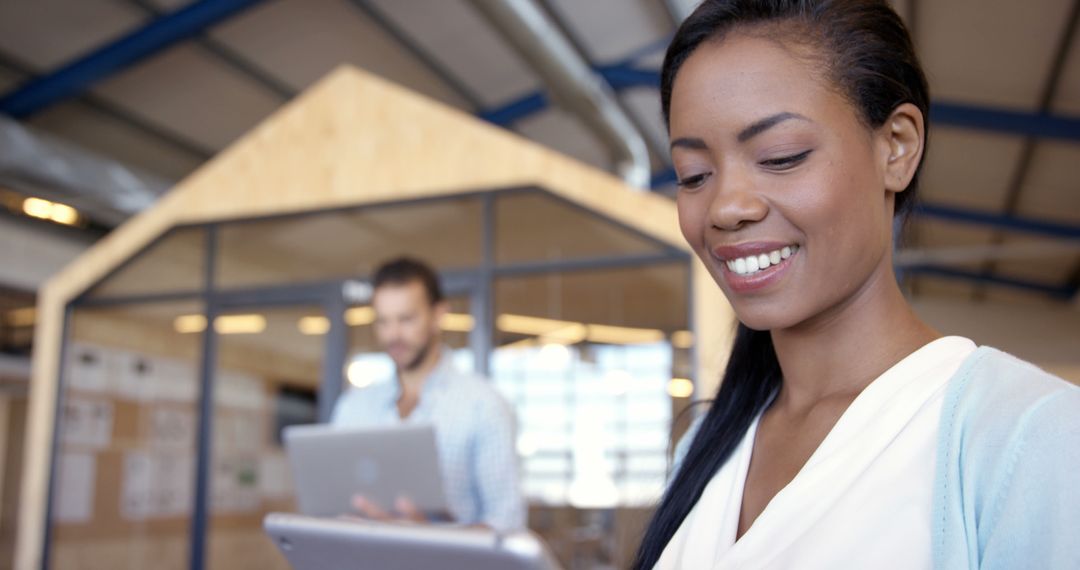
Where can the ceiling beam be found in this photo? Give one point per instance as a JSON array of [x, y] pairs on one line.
[[177, 141], [1027, 151], [74, 78], [977, 277]]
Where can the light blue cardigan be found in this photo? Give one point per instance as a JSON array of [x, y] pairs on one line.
[[1008, 470], [1007, 484]]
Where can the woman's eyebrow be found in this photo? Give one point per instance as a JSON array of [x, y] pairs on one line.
[[690, 142], [765, 124]]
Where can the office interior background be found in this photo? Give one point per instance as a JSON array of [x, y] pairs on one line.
[[203, 170]]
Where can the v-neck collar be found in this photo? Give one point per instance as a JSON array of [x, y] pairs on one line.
[[875, 416]]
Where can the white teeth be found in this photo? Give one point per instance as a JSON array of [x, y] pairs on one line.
[[754, 263], [740, 266]]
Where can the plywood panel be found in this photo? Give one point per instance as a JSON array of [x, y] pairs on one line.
[[714, 331], [356, 139], [36, 467]]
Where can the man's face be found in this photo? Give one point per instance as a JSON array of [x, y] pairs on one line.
[[406, 323]]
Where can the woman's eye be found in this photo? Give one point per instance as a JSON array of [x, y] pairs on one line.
[[691, 182], [786, 162]]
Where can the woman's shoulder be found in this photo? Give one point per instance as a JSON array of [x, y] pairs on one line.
[[1006, 464], [1001, 411], [994, 388]]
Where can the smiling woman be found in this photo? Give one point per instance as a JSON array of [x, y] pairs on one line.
[[842, 433]]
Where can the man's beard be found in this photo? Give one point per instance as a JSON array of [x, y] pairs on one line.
[[421, 355]]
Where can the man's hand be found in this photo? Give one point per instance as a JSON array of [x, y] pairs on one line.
[[404, 510]]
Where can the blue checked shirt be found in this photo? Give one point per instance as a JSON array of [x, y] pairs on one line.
[[474, 432]]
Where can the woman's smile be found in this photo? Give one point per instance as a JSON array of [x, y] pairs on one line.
[[752, 266]]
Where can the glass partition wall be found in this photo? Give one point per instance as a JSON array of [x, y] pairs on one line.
[[183, 365]]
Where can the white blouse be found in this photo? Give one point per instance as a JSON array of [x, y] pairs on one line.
[[863, 499]]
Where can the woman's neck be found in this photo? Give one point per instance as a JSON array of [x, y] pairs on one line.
[[839, 353]]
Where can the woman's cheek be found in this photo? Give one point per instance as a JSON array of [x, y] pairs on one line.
[[692, 214]]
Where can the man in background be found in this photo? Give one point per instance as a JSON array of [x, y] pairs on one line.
[[474, 426]]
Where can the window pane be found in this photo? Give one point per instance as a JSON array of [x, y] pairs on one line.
[[267, 377], [175, 263], [124, 480], [594, 411], [342, 244], [524, 225]]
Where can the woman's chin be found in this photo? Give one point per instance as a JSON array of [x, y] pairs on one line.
[[765, 320]]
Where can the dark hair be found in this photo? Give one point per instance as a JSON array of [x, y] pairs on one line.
[[407, 270], [868, 55]]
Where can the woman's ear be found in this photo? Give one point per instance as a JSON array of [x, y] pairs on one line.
[[903, 134]]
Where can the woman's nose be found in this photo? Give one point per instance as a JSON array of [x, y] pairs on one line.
[[735, 204]]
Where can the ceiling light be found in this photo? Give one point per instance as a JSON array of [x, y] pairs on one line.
[[228, 324], [533, 326], [607, 334], [682, 339], [680, 388], [359, 316], [457, 322], [46, 210], [186, 324], [314, 325], [573, 333], [64, 214], [240, 324], [37, 208]]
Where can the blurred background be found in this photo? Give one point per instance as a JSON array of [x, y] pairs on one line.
[[106, 104]]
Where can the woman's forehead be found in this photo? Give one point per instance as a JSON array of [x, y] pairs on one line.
[[746, 77]]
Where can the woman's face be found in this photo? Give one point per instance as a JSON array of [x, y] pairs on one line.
[[782, 188]]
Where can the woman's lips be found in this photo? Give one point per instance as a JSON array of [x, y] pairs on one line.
[[754, 265]]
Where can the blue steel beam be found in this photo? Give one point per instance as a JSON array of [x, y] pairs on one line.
[[516, 110], [76, 77], [1001, 221], [1005, 121], [1037, 125], [1056, 291]]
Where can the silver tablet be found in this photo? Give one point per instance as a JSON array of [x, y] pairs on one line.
[[336, 544], [330, 465]]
